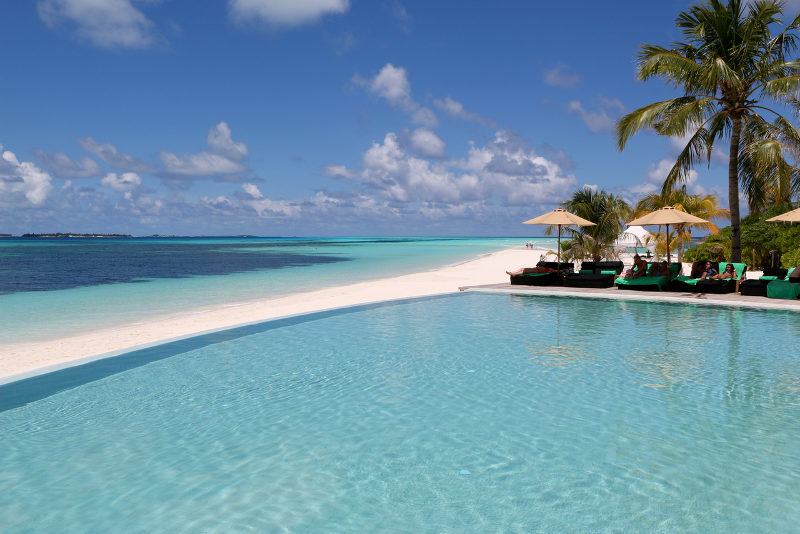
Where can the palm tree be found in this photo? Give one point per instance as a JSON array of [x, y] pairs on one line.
[[609, 213], [703, 206], [728, 65]]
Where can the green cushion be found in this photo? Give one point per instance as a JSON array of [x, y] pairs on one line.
[[608, 272], [532, 274], [660, 281], [767, 277], [586, 271], [781, 289]]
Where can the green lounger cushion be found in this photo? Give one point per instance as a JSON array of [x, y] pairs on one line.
[[781, 289], [608, 272], [660, 281], [768, 278], [534, 274], [586, 271]]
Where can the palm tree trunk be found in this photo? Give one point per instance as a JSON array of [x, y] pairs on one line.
[[733, 192]]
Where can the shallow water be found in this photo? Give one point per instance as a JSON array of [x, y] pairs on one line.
[[59, 287], [468, 413]]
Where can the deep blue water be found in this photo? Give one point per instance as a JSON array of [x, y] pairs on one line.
[[64, 263]]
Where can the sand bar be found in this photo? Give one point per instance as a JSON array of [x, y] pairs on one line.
[[20, 360]]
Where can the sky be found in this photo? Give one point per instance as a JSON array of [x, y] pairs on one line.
[[324, 117]]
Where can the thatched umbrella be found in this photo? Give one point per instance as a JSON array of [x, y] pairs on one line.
[[666, 216], [559, 217], [789, 216]]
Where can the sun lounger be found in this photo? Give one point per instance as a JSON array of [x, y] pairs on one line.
[[758, 288], [785, 289], [686, 284], [602, 274], [647, 282], [549, 278], [727, 285]]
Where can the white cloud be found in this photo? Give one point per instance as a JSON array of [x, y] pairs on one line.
[[109, 154], [127, 181], [392, 84], [252, 190], [427, 143], [200, 164], [106, 23], [561, 76], [654, 179], [219, 140], [222, 158], [65, 167], [513, 171], [506, 169], [284, 12], [456, 109], [22, 183], [600, 119]]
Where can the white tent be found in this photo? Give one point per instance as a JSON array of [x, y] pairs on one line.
[[635, 236]]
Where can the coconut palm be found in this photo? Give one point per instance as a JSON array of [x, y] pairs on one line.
[[729, 68], [703, 206], [609, 213]]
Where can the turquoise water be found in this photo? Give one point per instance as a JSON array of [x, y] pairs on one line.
[[468, 413], [161, 283]]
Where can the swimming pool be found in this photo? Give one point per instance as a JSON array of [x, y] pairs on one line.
[[467, 413]]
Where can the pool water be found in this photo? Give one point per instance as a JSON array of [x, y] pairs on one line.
[[468, 413]]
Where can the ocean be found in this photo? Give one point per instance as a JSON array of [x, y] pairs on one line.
[[53, 287]]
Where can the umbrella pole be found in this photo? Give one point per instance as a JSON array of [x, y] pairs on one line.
[[558, 259], [668, 245]]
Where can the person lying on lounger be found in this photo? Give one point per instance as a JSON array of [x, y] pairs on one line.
[[709, 272], [660, 269], [729, 272], [639, 268], [529, 270]]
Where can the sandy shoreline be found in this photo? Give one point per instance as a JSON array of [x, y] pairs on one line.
[[19, 360]]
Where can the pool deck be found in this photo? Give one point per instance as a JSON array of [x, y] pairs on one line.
[[707, 299]]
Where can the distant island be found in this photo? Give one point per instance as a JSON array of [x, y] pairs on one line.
[[59, 234]]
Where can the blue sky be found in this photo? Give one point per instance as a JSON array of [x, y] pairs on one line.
[[322, 117]]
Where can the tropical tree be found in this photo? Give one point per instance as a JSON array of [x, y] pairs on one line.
[[730, 68], [703, 206], [609, 213]]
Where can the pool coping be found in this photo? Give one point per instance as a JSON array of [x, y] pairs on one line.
[[112, 358], [703, 299]]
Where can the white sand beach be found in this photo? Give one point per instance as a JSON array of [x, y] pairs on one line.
[[21, 359]]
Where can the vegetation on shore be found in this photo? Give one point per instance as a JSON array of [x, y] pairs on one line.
[[60, 234], [760, 239], [730, 68]]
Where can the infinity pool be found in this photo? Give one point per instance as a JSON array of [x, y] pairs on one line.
[[470, 413]]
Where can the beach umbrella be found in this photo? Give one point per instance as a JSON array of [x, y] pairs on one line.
[[789, 216], [666, 216], [559, 217]]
